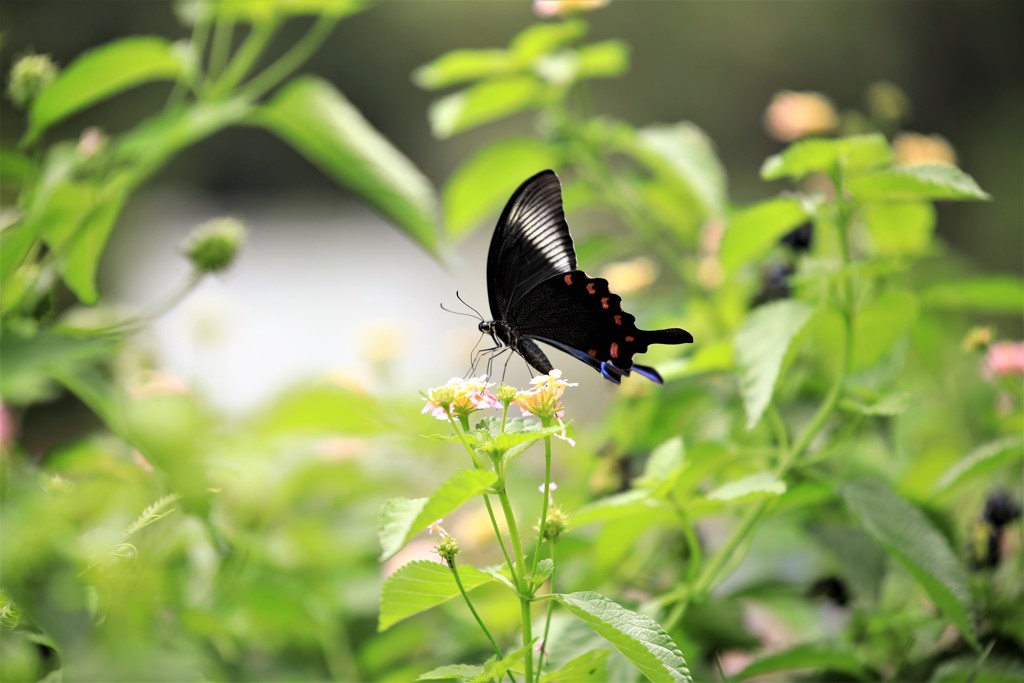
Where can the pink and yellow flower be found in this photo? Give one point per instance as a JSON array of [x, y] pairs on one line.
[[460, 397], [544, 399]]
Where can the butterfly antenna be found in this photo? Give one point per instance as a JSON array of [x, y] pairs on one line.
[[444, 308], [459, 297]]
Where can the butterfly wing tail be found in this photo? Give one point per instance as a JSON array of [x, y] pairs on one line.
[[672, 335]]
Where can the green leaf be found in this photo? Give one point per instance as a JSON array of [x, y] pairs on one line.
[[481, 186], [908, 535], [321, 409], [761, 346], [663, 468], [621, 505], [683, 153], [820, 656], [997, 294], [15, 168], [754, 230], [460, 66], [880, 324], [888, 405], [589, 667], [482, 103], [639, 638], [820, 155], [915, 183], [495, 670], [993, 455], [420, 585], [449, 672], [257, 11], [757, 485], [30, 362], [101, 73], [899, 228], [544, 38], [605, 59], [316, 119], [401, 519]]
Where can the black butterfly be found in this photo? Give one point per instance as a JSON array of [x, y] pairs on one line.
[[537, 294]]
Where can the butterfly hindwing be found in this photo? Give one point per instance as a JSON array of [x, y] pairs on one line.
[[530, 244]]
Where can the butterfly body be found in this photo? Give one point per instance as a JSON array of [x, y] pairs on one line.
[[536, 292]]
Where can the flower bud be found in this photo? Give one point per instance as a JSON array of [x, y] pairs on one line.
[[29, 77], [556, 522], [448, 548], [506, 394], [212, 246], [977, 339]]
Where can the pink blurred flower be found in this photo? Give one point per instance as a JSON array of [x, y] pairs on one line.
[[1004, 359], [793, 115], [7, 428], [554, 8]]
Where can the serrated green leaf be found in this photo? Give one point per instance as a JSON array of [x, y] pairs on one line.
[[908, 535], [885, 406], [101, 73], [683, 154], [420, 585], [986, 458], [312, 116], [663, 468], [754, 230], [899, 228], [820, 656], [639, 638], [915, 183], [997, 294], [481, 186], [820, 155], [589, 667], [495, 669], [761, 346], [482, 103], [460, 66], [757, 485], [545, 568], [544, 38], [401, 518]]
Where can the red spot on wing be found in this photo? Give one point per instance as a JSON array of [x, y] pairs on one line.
[[592, 353], [618, 321], [590, 287], [568, 279], [628, 337], [615, 350], [604, 302]]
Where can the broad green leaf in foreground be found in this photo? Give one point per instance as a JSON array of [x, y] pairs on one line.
[[683, 153], [453, 672], [756, 229], [904, 531], [818, 656], [821, 155], [492, 670], [543, 38], [880, 324], [401, 518], [29, 362], [982, 459], [480, 187], [102, 72], [916, 183], [899, 228], [998, 294], [420, 585], [761, 346], [639, 638], [482, 103], [316, 119]]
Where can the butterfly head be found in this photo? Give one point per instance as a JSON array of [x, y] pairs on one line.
[[486, 326]]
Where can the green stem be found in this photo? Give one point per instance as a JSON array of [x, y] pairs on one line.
[[259, 35], [520, 580], [547, 619], [223, 32], [544, 505], [778, 425], [291, 60], [469, 604], [197, 45], [690, 534]]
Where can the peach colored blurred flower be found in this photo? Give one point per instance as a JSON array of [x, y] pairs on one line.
[[630, 276], [1004, 359], [915, 149], [554, 8], [794, 115]]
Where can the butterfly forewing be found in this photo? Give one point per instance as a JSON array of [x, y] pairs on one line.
[[530, 245]]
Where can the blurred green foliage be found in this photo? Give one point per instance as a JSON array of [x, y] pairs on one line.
[[814, 489]]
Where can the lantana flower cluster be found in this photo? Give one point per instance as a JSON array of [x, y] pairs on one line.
[[460, 398]]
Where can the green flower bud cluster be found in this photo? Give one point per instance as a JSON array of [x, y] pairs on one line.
[[213, 245], [30, 75], [448, 548]]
